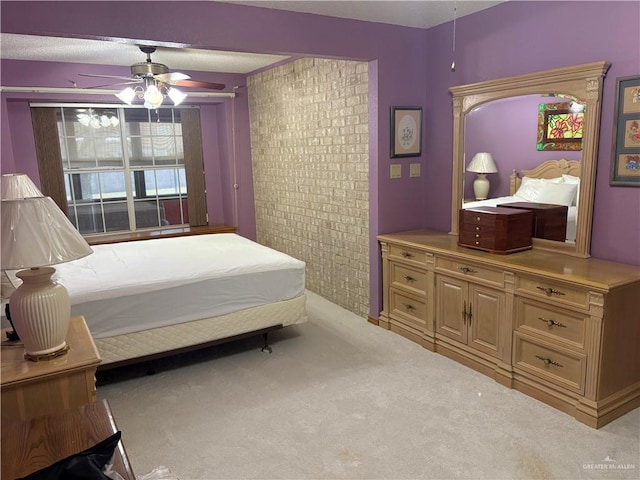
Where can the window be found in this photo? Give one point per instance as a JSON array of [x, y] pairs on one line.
[[123, 169]]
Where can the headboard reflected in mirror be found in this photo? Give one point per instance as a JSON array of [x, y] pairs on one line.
[[581, 81]]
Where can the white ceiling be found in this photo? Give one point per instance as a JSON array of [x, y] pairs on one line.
[[76, 50], [413, 13], [409, 13]]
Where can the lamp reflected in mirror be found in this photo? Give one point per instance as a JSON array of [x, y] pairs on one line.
[[482, 163]]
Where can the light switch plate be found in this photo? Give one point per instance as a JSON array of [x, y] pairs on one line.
[[414, 170], [396, 170]]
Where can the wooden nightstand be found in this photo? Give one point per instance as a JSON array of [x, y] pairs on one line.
[[30, 445], [30, 389]]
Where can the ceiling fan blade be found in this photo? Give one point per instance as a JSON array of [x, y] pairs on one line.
[[117, 77], [198, 84], [131, 82], [172, 77]]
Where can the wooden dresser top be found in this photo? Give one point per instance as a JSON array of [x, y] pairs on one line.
[[591, 272]]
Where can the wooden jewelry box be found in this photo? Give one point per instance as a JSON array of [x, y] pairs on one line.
[[549, 221], [496, 229]]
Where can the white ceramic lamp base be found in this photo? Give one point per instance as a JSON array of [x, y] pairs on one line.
[[40, 310], [481, 187]]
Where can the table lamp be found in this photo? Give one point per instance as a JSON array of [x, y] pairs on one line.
[[482, 163], [14, 185], [35, 235]]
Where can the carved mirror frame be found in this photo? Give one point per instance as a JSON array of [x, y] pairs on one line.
[[582, 81]]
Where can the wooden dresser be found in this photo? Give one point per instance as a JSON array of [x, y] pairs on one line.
[[562, 329]]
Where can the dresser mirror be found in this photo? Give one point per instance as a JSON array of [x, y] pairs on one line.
[[581, 82]]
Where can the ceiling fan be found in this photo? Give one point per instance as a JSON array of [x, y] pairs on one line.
[[157, 80]]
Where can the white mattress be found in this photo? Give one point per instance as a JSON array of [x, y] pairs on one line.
[[492, 202], [134, 286]]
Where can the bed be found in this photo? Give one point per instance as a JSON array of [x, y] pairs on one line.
[[553, 182], [149, 298]]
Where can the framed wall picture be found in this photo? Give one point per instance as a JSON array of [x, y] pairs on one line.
[[558, 127], [406, 132], [625, 161]]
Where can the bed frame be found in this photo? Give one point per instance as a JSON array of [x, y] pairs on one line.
[[547, 169], [155, 343]]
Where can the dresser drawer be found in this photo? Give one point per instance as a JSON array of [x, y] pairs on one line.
[[470, 270], [557, 324], [405, 277], [544, 288], [408, 309], [558, 365], [408, 255]]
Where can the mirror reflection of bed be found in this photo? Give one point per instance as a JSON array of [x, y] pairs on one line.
[[550, 190]]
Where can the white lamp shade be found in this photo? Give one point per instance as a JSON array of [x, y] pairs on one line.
[[127, 95], [18, 185], [176, 96], [152, 97], [84, 119], [482, 163], [36, 233]]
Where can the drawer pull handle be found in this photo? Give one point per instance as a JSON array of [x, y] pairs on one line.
[[477, 235], [409, 278], [477, 219], [467, 269], [464, 312], [548, 361], [408, 306], [477, 228], [552, 323], [407, 255], [550, 291]]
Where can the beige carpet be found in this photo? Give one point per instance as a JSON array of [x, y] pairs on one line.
[[340, 398]]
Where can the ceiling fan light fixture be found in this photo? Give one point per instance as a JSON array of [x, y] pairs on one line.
[[152, 97], [96, 120], [84, 119], [127, 95], [176, 96]]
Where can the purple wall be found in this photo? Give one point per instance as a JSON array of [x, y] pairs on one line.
[[406, 67], [523, 37]]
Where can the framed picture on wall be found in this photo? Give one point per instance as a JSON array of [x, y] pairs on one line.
[[625, 161], [559, 128], [406, 132]]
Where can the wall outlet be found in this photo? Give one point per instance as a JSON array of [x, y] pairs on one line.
[[396, 170], [414, 170]]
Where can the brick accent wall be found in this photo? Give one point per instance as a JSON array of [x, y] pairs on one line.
[[310, 151]]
